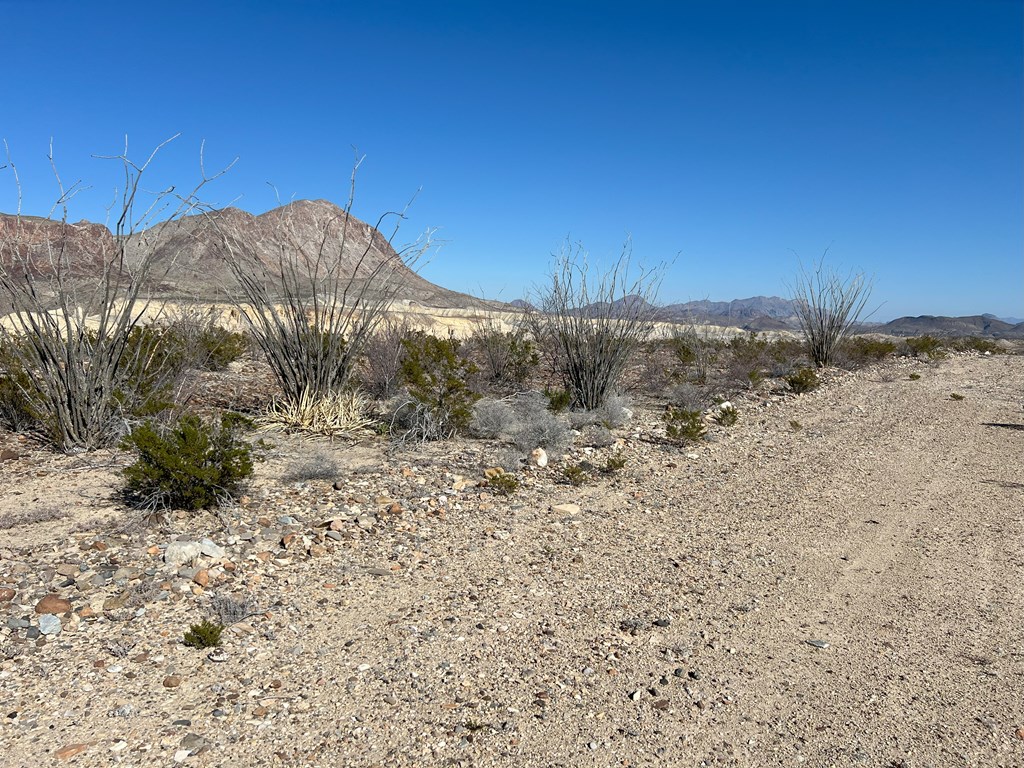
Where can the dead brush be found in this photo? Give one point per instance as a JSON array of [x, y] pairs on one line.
[[330, 414]]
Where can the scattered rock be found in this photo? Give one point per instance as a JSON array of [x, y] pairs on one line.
[[70, 750], [172, 681], [566, 509], [818, 644], [539, 457], [49, 624], [53, 604], [179, 553]]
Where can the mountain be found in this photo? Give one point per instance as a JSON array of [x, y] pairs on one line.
[[758, 313], [971, 325], [190, 255]]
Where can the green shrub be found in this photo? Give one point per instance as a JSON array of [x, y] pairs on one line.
[[795, 425], [613, 464], [925, 346], [558, 399], [507, 357], [684, 425], [188, 466], [204, 635], [436, 376], [216, 348], [914, 376], [956, 396], [16, 411], [504, 484], [858, 351], [575, 475], [726, 415], [803, 380], [976, 344]]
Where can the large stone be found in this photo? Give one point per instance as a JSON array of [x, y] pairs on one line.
[[179, 553], [70, 750], [211, 549], [53, 604]]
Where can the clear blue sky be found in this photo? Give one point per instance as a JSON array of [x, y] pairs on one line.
[[734, 134]]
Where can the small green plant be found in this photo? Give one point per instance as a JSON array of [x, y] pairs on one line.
[[684, 425], [504, 484], [976, 344], [956, 396], [558, 399], [914, 376], [726, 415], [613, 464], [803, 380], [206, 634], [508, 357], [575, 475], [188, 466], [795, 425]]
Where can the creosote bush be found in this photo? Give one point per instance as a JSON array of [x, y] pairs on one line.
[[684, 426], [726, 415], [507, 357], [188, 466], [803, 380], [436, 375], [925, 346], [206, 634], [504, 484]]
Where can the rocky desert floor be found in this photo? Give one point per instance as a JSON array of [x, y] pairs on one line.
[[836, 580]]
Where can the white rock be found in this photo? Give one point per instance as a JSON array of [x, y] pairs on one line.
[[179, 553], [539, 457], [211, 549], [49, 624]]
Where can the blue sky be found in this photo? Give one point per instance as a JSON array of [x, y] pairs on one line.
[[733, 137]]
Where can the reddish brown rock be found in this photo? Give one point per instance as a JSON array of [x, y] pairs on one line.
[[70, 750], [53, 604], [202, 578], [6, 594], [172, 681]]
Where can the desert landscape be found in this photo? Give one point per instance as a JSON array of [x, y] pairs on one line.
[[734, 557]]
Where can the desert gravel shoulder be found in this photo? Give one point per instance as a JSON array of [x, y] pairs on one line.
[[836, 580]]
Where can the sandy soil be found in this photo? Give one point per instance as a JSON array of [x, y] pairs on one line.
[[836, 580]]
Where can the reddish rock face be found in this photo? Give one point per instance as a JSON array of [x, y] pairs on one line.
[[43, 247]]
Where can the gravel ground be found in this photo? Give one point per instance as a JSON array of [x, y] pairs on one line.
[[835, 580]]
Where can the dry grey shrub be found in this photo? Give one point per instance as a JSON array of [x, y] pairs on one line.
[[383, 353], [10, 520], [318, 465], [524, 420], [409, 420], [231, 610], [690, 397], [612, 414]]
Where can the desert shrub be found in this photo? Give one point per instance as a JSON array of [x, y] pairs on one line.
[[575, 475], [436, 376], [795, 425], [381, 360], [537, 426], [747, 360], [493, 418], [503, 484], [803, 380], [690, 397], [558, 399], [508, 357], [190, 465], [612, 414], [317, 466], [78, 322], [316, 289], [597, 321], [16, 412], [218, 347], [206, 634], [828, 306], [682, 425], [975, 344], [726, 414], [858, 351], [924, 346], [331, 413], [613, 464], [956, 396], [914, 376]]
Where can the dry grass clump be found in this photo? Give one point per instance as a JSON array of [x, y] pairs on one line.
[[329, 413]]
